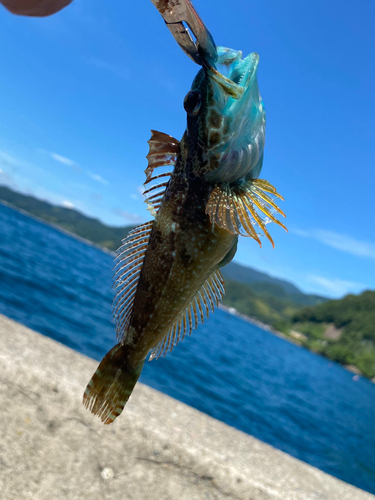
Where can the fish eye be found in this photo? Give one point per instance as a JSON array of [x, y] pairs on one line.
[[192, 102]]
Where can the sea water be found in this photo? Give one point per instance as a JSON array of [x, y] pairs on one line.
[[230, 369]]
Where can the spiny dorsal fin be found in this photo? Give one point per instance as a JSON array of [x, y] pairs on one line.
[[198, 309], [239, 208], [129, 261], [162, 153], [163, 150]]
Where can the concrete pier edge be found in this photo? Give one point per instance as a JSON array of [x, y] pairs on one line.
[[52, 448]]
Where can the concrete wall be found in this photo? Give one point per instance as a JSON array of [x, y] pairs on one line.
[[52, 448]]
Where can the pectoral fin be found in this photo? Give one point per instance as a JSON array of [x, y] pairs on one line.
[[241, 208]]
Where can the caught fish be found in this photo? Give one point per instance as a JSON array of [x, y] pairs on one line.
[[167, 273]]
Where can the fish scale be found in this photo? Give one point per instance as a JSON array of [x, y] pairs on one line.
[[177, 263], [167, 273]]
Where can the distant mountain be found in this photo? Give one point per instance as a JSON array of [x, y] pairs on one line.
[[265, 307], [73, 221], [257, 283], [265, 284], [342, 330], [250, 276], [110, 237]]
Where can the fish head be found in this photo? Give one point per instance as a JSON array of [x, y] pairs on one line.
[[226, 117]]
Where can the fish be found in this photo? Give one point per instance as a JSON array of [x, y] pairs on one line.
[[203, 192]]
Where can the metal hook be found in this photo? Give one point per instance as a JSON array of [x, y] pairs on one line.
[[175, 13]]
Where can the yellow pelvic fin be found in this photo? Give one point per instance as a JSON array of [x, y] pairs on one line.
[[241, 208]]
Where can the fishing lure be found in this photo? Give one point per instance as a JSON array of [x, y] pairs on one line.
[[167, 273]]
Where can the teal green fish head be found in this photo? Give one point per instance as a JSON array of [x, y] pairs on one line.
[[226, 117]]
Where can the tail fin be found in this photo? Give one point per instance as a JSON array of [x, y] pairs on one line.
[[111, 385]]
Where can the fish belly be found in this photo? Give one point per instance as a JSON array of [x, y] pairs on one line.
[[182, 254]]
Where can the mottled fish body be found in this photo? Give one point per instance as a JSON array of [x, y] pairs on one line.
[[167, 273]]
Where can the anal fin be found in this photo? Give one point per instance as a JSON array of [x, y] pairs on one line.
[[206, 299]]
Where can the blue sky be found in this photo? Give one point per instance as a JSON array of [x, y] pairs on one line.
[[81, 90]]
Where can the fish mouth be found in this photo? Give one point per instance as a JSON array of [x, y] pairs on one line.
[[233, 74], [235, 97], [244, 72]]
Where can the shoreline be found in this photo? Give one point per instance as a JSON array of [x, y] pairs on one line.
[[158, 448], [231, 310], [58, 228], [264, 326]]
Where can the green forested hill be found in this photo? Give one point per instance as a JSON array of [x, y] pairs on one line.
[[110, 237], [342, 330], [262, 283], [261, 305], [86, 227]]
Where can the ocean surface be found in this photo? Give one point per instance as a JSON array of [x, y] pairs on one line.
[[230, 369]]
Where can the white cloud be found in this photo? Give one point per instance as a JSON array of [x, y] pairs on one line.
[[67, 204], [341, 242], [302, 232], [8, 160], [335, 286], [139, 194], [63, 159], [97, 178], [7, 180], [128, 216]]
